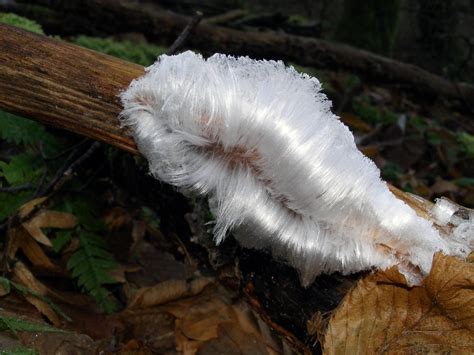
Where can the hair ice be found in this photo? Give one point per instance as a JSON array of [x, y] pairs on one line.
[[282, 172]]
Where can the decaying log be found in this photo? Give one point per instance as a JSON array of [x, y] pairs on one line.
[[76, 89], [64, 85], [116, 16]]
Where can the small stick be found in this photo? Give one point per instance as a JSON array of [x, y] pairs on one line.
[[68, 169], [185, 34], [16, 188]]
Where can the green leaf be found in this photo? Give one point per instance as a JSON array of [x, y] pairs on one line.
[[150, 217], [22, 168], [19, 130], [14, 325], [86, 211], [418, 122], [21, 22], [91, 265], [63, 237], [18, 351], [465, 181], [434, 138], [467, 141], [5, 284], [10, 202], [391, 172]]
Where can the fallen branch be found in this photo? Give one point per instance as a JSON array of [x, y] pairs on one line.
[[111, 16], [64, 85], [76, 89]]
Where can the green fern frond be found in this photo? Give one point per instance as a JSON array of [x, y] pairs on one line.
[[22, 168], [14, 325], [91, 265], [10, 202], [19, 130]]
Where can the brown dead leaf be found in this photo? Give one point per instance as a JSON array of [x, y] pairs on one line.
[[202, 321], [370, 151], [383, 315], [28, 207], [19, 238], [59, 343], [27, 279], [48, 219], [167, 291], [233, 340], [117, 217], [441, 187], [355, 122]]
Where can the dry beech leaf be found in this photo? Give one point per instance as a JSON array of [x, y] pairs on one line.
[[355, 122], [27, 279], [233, 340], [48, 219], [28, 207], [167, 291], [203, 320], [20, 239], [381, 315], [441, 187]]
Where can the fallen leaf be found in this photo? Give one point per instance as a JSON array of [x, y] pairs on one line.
[[117, 217], [233, 340], [27, 279], [28, 207], [19, 238], [5, 286], [383, 315], [355, 122], [59, 343], [441, 187], [167, 291], [203, 320], [48, 219]]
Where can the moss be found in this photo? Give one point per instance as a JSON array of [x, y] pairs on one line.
[[21, 22], [140, 53]]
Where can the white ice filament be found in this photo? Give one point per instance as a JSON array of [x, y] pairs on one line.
[[284, 173]]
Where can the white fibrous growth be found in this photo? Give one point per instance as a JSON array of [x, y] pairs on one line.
[[282, 172]]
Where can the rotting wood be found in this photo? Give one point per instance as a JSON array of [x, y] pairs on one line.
[[64, 85]]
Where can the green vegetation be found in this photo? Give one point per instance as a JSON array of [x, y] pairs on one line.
[[21, 22], [140, 53]]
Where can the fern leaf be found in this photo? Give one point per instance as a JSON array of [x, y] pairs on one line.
[[22, 168], [10, 202], [22, 325], [19, 130], [91, 265]]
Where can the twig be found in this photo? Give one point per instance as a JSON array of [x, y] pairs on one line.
[[183, 36], [65, 151], [17, 188], [68, 169]]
